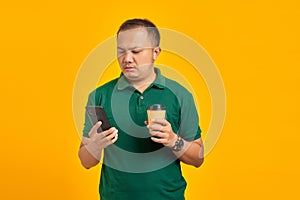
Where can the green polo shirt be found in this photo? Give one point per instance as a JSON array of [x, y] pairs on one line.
[[135, 167]]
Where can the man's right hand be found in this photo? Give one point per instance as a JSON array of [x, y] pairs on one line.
[[98, 141]]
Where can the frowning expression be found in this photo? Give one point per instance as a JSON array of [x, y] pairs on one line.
[[136, 53]]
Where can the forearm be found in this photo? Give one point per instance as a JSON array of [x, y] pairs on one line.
[[86, 158], [192, 153]]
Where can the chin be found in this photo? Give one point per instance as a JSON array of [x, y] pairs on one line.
[[130, 75]]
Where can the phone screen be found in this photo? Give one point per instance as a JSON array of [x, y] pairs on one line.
[[97, 113]]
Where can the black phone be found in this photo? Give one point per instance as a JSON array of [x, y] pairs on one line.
[[97, 113]]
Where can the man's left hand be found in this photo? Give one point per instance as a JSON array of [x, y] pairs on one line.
[[161, 131]]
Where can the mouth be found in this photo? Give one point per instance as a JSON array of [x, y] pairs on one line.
[[128, 68]]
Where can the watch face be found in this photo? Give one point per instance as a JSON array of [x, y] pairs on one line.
[[180, 144]]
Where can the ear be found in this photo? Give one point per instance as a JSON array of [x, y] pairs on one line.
[[156, 52]]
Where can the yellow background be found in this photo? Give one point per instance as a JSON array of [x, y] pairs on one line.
[[255, 45]]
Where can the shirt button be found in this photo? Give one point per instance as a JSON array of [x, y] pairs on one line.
[[141, 97]]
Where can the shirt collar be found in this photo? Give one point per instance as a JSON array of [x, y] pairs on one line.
[[159, 82]]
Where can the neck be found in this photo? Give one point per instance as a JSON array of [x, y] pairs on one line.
[[144, 84]]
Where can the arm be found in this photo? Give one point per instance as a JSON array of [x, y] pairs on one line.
[[86, 158], [192, 153]]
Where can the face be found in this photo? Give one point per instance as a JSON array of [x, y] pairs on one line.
[[136, 54]]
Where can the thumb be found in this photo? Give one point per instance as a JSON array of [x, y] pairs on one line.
[[95, 128]]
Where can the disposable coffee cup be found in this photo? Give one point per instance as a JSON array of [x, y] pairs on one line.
[[156, 111]]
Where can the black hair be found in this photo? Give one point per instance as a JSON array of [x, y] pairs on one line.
[[136, 23]]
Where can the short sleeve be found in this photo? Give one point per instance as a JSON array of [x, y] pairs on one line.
[[92, 99], [189, 128]]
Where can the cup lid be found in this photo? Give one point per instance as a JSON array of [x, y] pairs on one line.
[[157, 107]]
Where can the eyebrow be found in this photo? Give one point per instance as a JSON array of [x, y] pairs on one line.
[[136, 47]]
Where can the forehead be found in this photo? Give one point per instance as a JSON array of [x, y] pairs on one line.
[[137, 37]]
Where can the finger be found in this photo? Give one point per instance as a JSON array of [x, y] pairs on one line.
[[162, 122], [111, 139], [111, 136], [156, 133], [155, 127], [105, 134], [95, 128], [109, 142], [115, 138], [159, 140], [109, 131]]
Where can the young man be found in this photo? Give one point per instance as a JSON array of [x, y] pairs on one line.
[[142, 162]]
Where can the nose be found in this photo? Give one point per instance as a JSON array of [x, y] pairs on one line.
[[128, 57]]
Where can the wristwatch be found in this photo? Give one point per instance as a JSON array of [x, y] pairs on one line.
[[178, 144]]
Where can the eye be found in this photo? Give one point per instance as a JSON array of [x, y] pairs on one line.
[[120, 52], [136, 51]]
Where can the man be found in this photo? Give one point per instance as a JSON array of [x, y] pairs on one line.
[[142, 162]]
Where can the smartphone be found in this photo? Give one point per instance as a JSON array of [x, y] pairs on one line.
[[97, 113]]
